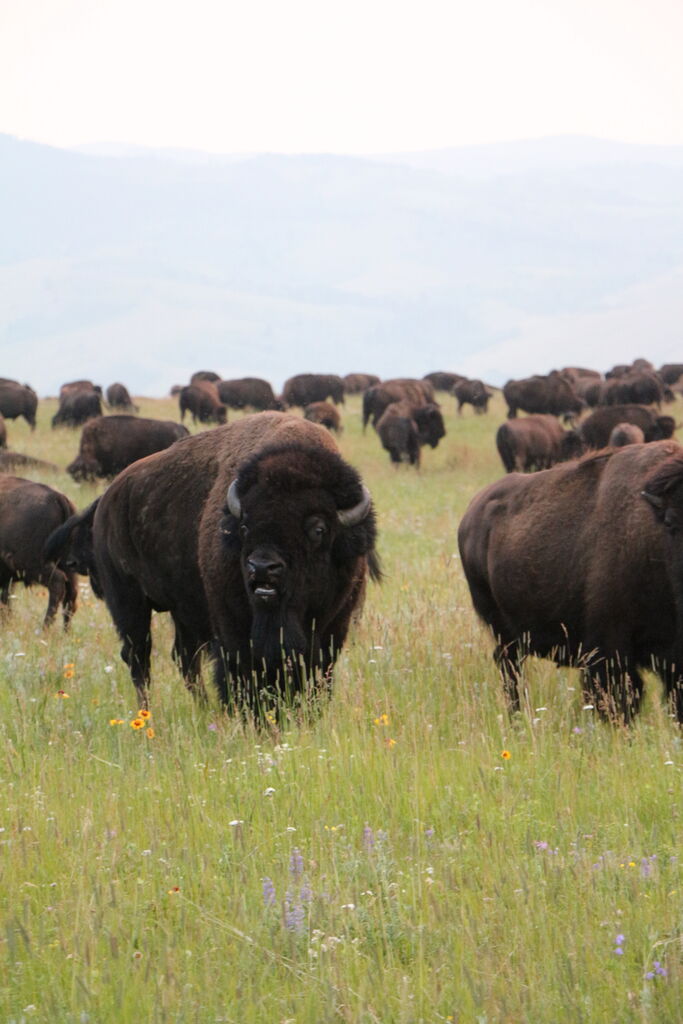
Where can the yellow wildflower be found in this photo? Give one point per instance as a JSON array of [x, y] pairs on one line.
[[137, 723], [506, 755]]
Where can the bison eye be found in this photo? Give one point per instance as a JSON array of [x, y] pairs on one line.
[[316, 528]]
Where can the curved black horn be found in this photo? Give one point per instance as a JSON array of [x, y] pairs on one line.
[[352, 516], [234, 501]]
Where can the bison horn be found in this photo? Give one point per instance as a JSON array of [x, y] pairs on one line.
[[234, 501], [352, 516]]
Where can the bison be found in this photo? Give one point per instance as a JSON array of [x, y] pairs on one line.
[[535, 442], [110, 443], [3, 432], [29, 512], [325, 414], [305, 388], [553, 394], [582, 564], [633, 389], [596, 429], [77, 407], [356, 383], [671, 373], [625, 433], [443, 380], [403, 428], [472, 392], [202, 402], [119, 398], [72, 386], [18, 400], [379, 396], [257, 537], [209, 375], [247, 391]]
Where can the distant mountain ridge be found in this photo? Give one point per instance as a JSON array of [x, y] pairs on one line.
[[494, 260]]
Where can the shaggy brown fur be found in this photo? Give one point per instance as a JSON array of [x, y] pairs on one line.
[[576, 564], [110, 443]]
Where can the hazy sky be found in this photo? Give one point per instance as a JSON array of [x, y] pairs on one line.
[[356, 76]]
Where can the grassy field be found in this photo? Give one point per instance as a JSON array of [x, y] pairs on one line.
[[409, 855]]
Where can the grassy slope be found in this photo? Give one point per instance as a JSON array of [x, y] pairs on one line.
[[438, 881]]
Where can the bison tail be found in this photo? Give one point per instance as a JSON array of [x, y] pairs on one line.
[[505, 449]]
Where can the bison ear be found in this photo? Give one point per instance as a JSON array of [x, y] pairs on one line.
[[656, 501]]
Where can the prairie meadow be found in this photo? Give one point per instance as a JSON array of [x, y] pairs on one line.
[[405, 852]]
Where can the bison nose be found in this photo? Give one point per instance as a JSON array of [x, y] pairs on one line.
[[264, 568]]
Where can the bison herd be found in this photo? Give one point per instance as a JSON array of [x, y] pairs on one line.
[[259, 538]]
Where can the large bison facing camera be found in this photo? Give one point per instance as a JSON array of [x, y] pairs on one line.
[[583, 564], [257, 537]]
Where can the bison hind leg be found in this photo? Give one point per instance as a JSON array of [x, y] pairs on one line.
[[615, 687], [187, 655], [508, 657]]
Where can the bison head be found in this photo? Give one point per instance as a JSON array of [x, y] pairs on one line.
[[300, 522], [70, 546]]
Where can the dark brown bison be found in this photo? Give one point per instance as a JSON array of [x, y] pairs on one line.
[[119, 398], [625, 433], [72, 386], [325, 414], [77, 407], [596, 429], [305, 388], [18, 400], [110, 443], [71, 546], [403, 429], [205, 375], [576, 373], [535, 442], [3, 432], [29, 512], [633, 389], [356, 383], [590, 390], [251, 392], [257, 537], [202, 402], [443, 380], [671, 373], [553, 394], [401, 389], [583, 564], [474, 393]]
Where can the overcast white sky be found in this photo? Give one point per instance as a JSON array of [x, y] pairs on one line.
[[357, 76]]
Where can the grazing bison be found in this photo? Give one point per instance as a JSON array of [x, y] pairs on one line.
[[535, 442], [305, 388], [247, 391], [403, 428], [474, 393], [202, 402], [325, 414], [257, 537], [29, 512], [583, 564], [553, 394], [671, 373], [356, 383], [110, 443], [72, 386], [18, 400], [443, 380], [77, 407], [119, 398], [596, 429], [71, 546], [625, 433], [633, 389], [379, 396]]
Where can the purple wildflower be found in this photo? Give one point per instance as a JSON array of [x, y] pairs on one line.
[[429, 833], [541, 844], [294, 915], [212, 727], [269, 897], [620, 939], [305, 893], [619, 951], [296, 863], [368, 838]]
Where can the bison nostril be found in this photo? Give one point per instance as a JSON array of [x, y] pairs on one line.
[[264, 568]]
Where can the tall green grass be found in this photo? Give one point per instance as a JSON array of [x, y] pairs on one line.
[[381, 861]]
